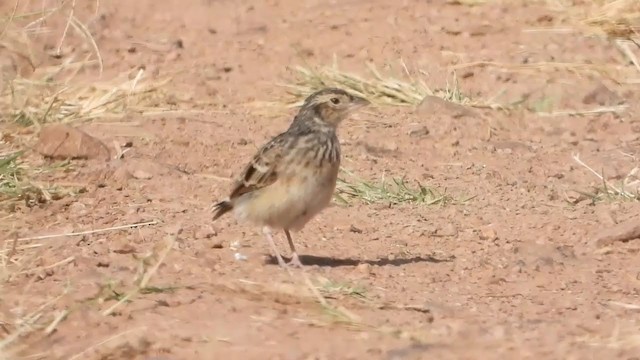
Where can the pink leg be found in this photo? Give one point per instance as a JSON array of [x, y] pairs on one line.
[[295, 260], [267, 233]]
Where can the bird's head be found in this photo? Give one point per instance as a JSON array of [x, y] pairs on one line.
[[332, 105]]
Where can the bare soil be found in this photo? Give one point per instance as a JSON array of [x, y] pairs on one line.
[[508, 269]]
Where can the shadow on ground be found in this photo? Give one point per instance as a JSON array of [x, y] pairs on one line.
[[311, 260]]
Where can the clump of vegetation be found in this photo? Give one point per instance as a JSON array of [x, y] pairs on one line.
[[393, 191], [31, 96], [627, 190], [34, 96], [17, 182], [619, 19], [379, 89], [59, 89]]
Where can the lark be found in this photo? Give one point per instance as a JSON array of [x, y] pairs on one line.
[[292, 177]]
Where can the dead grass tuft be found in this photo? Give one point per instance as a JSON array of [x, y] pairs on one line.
[[35, 102], [30, 315], [22, 257], [394, 191], [60, 87], [335, 289], [17, 183], [384, 90], [627, 190], [33, 95], [55, 93], [147, 267], [616, 19]]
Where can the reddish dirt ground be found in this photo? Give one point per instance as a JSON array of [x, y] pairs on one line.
[[513, 272]]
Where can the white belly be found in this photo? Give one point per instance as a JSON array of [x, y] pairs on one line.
[[291, 201]]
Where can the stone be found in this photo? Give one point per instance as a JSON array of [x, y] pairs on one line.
[[141, 175], [62, 142]]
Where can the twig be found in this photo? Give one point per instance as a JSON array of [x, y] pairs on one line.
[[29, 320], [596, 111], [10, 20], [61, 316], [314, 290], [146, 277], [81, 28], [59, 263], [66, 28], [14, 249], [576, 157], [623, 46], [129, 226], [625, 305]]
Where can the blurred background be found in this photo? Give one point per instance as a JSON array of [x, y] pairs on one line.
[[486, 208]]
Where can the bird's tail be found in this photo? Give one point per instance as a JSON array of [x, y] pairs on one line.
[[221, 208]]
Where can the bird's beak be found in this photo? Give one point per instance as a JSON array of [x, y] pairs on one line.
[[359, 102]]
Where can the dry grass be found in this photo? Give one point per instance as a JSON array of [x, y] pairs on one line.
[[56, 92], [30, 315], [21, 258], [64, 87], [617, 109], [627, 190], [336, 289], [62, 92], [384, 90], [17, 183], [616, 19], [394, 191], [148, 266], [34, 102]]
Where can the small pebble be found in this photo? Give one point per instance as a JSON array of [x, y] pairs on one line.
[[488, 233], [364, 268], [239, 257], [142, 175]]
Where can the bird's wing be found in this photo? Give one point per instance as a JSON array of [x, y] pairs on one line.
[[263, 169]]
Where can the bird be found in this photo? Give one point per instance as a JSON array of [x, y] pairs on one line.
[[292, 177]]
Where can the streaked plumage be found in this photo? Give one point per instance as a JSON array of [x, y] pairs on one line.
[[293, 176]]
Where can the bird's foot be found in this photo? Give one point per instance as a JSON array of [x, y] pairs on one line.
[[295, 261], [281, 261]]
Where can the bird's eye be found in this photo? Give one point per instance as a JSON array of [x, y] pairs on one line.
[[335, 101]]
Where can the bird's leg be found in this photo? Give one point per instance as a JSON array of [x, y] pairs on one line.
[[295, 260], [267, 233]]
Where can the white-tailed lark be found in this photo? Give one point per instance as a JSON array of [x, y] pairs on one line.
[[293, 176]]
